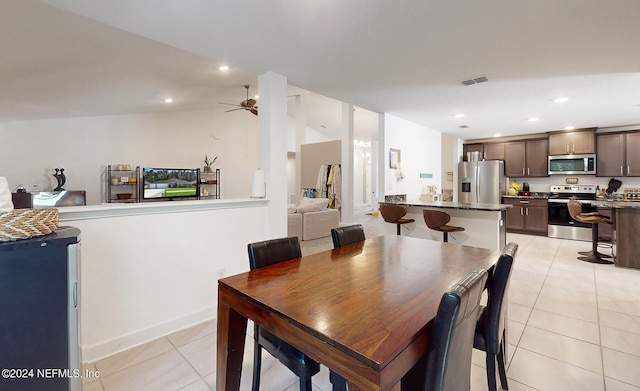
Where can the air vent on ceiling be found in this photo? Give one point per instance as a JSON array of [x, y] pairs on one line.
[[464, 126], [476, 80]]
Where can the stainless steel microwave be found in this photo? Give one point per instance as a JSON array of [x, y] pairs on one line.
[[572, 164]]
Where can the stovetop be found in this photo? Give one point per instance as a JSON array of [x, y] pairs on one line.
[[581, 192]]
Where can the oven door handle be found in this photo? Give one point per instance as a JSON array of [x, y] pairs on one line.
[[565, 201], [558, 201]]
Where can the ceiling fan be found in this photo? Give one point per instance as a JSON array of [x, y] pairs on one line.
[[248, 104]]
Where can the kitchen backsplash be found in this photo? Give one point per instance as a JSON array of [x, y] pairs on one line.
[[542, 184]]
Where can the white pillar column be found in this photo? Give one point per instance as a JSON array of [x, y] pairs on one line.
[[375, 174], [346, 214], [272, 148], [383, 158], [301, 134]]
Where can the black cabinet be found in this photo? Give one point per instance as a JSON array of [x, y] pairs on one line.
[[39, 312]]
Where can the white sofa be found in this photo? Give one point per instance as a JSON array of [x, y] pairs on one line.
[[312, 219]]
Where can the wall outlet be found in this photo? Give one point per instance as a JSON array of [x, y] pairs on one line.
[[220, 273]]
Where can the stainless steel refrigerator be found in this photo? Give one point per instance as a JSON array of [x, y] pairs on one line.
[[481, 182]]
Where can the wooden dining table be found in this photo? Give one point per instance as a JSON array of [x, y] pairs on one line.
[[364, 310]]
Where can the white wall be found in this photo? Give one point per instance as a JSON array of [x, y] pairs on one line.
[[84, 146], [152, 268], [420, 153]]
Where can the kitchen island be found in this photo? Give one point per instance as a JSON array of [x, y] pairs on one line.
[[484, 224], [627, 238]]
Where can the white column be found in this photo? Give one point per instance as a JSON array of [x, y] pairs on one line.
[[272, 149], [346, 214], [301, 134], [383, 157], [375, 174]]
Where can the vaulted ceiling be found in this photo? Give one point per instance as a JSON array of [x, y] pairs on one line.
[[408, 58]]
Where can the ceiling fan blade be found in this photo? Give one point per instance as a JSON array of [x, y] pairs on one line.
[[239, 108], [228, 104], [254, 110]]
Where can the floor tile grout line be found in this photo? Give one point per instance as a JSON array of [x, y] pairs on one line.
[[604, 375], [564, 362], [189, 362], [526, 324]]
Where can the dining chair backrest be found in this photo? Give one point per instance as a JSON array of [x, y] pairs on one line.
[[263, 254], [346, 235], [273, 251], [451, 340], [496, 303]]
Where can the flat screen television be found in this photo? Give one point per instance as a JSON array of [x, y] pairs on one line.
[[169, 183]]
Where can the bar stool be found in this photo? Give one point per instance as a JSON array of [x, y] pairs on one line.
[[394, 214], [437, 221], [593, 218]]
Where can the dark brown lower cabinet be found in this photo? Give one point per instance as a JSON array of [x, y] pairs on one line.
[[527, 215]]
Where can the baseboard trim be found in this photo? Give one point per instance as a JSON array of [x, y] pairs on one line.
[[94, 352]]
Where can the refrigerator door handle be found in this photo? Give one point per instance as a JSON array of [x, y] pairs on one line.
[[477, 183], [75, 294]]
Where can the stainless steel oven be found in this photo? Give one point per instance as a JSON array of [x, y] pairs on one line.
[[561, 224]]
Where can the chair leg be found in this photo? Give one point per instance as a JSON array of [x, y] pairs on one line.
[[305, 383], [339, 383], [594, 256], [446, 237], [502, 371], [398, 230], [257, 362], [491, 372]]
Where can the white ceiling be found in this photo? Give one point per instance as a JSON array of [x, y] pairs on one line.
[[405, 57]]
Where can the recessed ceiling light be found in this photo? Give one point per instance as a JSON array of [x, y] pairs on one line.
[[497, 135], [560, 100], [256, 97], [459, 115], [569, 127], [223, 67], [533, 119], [168, 100]]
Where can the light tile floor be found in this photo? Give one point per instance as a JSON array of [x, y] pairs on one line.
[[572, 326]]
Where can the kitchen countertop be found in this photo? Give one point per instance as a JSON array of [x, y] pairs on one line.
[[616, 204], [534, 195], [451, 205]]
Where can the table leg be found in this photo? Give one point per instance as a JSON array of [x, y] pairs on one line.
[[232, 328], [353, 387]]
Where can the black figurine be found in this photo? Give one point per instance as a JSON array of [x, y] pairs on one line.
[[59, 175]]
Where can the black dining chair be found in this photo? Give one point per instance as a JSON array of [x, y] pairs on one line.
[[267, 253], [346, 235], [447, 363], [341, 237], [490, 329]]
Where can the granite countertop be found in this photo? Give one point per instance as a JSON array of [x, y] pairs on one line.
[[451, 205], [616, 204], [534, 195]]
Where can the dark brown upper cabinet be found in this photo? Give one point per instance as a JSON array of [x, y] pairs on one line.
[[618, 154], [578, 142], [526, 158]]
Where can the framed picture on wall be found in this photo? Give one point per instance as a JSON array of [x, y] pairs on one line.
[[394, 158]]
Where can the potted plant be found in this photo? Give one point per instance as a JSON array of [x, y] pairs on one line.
[[208, 163]]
